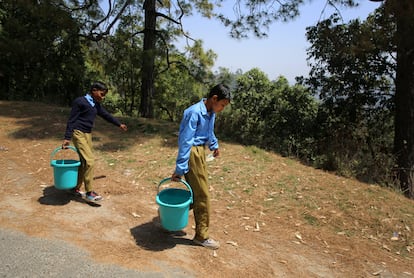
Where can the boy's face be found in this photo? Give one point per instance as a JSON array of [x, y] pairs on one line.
[[218, 105], [98, 95]]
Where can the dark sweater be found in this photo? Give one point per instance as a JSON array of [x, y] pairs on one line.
[[82, 116]]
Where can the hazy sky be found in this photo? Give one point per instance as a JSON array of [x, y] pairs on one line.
[[282, 53]]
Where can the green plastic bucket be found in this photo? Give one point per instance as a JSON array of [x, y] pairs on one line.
[[174, 205], [65, 171]]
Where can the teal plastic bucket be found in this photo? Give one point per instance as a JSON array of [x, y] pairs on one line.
[[174, 205], [65, 171]]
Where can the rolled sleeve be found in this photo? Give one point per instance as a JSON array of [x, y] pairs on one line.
[[213, 142]]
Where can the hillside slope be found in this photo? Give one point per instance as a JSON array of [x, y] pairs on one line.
[[273, 216]]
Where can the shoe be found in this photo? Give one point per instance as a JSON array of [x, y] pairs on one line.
[[93, 196], [76, 192], [208, 243]]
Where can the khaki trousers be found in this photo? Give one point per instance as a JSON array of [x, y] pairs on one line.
[[83, 142], [197, 178]]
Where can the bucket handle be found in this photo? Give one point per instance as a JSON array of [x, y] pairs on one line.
[[182, 181], [60, 148]]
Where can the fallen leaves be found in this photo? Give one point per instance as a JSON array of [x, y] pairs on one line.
[[233, 243], [136, 215]]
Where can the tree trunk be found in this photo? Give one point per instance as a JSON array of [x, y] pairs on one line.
[[148, 57], [403, 11]]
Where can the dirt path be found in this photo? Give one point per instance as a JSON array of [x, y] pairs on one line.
[[256, 241]]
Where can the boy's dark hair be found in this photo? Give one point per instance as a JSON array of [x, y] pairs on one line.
[[98, 85], [222, 91]]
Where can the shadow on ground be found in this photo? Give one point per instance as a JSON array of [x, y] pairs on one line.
[[151, 236], [55, 197]]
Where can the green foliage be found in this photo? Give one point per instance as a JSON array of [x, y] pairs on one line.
[[184, 81], [122, 65], [177, 89], [352, 75], [113, 102], [272, 115], [40, 52]]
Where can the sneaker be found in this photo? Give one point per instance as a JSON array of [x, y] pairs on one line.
[[76, 192], [93, 196], [208, 243]]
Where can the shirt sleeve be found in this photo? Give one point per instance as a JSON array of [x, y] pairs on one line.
[[74, 114], [212, 136], [185, 142], [107, 116]]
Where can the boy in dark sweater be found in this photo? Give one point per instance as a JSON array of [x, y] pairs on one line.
[[79, 130]]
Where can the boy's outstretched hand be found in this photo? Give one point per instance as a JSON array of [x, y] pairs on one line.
[[123, 127]]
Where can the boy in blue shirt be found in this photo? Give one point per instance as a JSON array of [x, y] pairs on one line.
[[79, 129], [196, 133]]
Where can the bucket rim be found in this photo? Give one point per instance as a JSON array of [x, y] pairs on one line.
[[181, 180], [181, 205], [75, 164]]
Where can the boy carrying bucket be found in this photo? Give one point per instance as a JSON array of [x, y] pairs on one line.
[[79, 129], [196, 133]]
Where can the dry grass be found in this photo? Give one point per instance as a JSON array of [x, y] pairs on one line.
[[260, 200]]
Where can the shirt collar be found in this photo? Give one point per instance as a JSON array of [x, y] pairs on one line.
[[203, 107], [89, 98]]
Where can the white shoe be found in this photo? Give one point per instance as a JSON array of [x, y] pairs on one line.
[[208, 243]]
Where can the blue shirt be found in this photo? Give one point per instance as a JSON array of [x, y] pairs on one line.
[[196, 128]]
